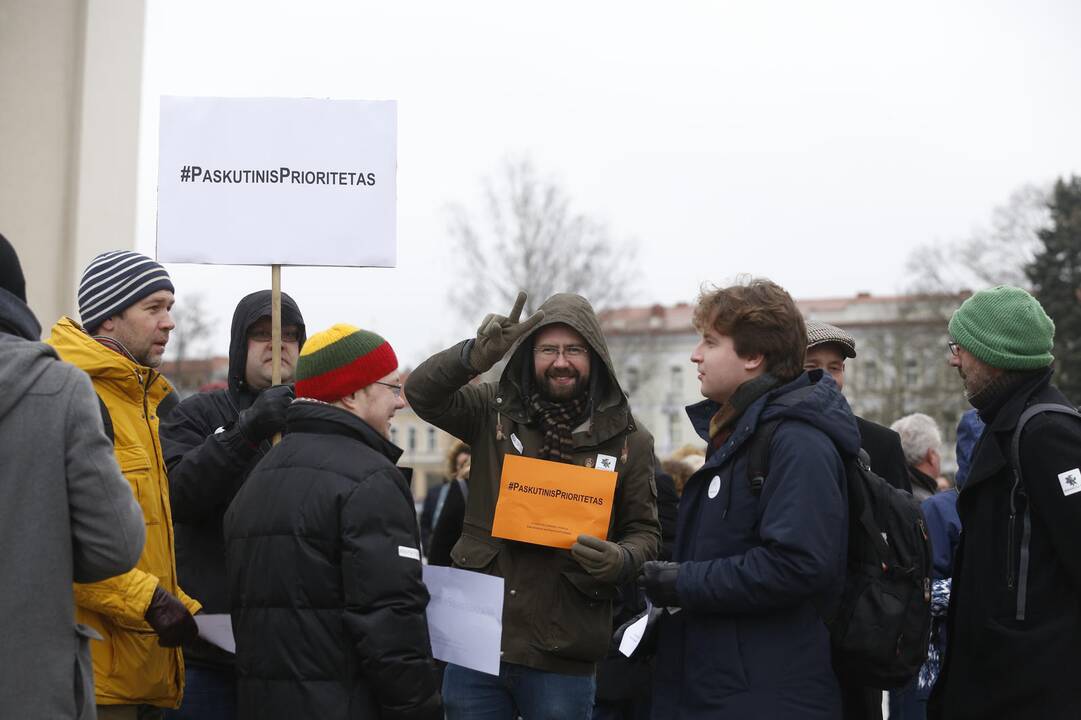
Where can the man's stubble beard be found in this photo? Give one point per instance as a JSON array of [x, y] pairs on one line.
[[553, 394]]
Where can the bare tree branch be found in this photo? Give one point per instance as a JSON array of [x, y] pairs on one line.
[[989, 256], [529, 237]]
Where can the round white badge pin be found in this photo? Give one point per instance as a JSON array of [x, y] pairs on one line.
[[714, 486]]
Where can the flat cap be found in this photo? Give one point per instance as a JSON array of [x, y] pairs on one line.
[[820, 333]]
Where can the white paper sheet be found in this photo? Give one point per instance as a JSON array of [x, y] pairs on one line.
[[632, 636], [217, 630], [465, 617]]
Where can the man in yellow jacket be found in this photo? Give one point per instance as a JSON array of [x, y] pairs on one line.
[[143, 615]]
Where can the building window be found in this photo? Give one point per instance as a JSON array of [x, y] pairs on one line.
[[412, 439], [870, 374], [394, 435], [431, 438], [632, 380], [675, 431], [912, 373], [677, 378]]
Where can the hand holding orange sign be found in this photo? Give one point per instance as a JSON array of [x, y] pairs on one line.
[[552, 503]]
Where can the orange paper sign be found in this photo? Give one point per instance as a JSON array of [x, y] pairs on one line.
[[552, 503]]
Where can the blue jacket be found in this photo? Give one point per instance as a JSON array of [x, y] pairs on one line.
[[749, 641], [969, 430]]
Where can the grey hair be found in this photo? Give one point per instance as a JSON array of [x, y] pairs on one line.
[[919, 433]]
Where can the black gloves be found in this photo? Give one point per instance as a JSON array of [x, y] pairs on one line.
[[170, 619], [497, 333], [266, 415], [658, 579], [602, 559]]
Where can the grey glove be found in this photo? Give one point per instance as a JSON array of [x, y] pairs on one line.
[[266, 415], [658, 578], [496, 334], [602, 559]]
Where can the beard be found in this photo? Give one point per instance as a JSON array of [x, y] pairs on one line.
[[555, 391]]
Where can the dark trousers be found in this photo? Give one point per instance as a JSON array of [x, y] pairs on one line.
[[209, 694]]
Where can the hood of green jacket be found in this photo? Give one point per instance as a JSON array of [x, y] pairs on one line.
[[609, 410]]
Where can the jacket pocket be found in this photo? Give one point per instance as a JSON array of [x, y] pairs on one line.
[[135, 464], [84, 671], [579, 618], [474, 553], [142, 668]]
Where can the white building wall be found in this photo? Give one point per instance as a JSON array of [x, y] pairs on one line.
[[70, 79]]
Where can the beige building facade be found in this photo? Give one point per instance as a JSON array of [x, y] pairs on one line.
[[71, 81]]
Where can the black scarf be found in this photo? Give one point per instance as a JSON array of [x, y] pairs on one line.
[[558, 420], [992, 396]]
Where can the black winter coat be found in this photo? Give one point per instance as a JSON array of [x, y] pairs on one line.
[[448, 528], [323, 555], [207, 467], [999, 666], [887, 455]]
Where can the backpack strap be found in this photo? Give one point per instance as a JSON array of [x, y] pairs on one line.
[[106, 420], [758, 447], [758, 455], [1021, 580]]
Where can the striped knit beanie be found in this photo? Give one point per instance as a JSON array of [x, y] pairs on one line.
[[116, 280], [1006, 328], [339, 361]]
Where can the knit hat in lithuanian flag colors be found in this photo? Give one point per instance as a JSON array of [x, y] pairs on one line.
[[339, 361]]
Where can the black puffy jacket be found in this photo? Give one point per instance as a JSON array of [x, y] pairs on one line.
[[207, 467], [323, 557]]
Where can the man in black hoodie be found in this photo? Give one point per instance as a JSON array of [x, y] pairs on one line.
[[210, 442]]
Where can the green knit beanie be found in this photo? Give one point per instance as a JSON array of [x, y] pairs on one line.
[[1006, 328]]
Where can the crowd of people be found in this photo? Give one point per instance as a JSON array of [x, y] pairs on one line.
[[129, 517]]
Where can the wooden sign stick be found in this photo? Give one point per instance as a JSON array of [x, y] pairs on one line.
[[276, 330]]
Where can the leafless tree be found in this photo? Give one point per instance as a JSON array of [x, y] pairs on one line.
[[992, 255], [194, 326], [529, 236]]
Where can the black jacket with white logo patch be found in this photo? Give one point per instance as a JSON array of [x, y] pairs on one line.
[[1014, 639]]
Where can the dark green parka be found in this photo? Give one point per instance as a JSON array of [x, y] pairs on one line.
[[556, 617]]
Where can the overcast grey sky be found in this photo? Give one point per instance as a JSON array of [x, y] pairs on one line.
[[811, 142]]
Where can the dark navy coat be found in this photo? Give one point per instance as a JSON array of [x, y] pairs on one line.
[[749, 641]]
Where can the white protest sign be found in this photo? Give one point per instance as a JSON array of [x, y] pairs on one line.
[[465, 617], [275, 181]]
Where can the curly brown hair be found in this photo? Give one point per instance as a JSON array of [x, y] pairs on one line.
[[761, 318], [452, 457]]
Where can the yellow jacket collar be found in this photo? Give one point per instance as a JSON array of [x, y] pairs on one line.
[[99, 362]]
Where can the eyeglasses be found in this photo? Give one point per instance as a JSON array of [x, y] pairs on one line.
[[954, 347], [396, 389], [289, 335], [551, 352]]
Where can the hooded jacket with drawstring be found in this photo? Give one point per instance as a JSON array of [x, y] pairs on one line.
[[207, 466], [556, 616], [130, 667], [66, 513]]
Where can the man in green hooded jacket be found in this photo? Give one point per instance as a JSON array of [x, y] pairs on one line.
[[558, 399]]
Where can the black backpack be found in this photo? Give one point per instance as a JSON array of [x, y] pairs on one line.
[[879, 628]]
